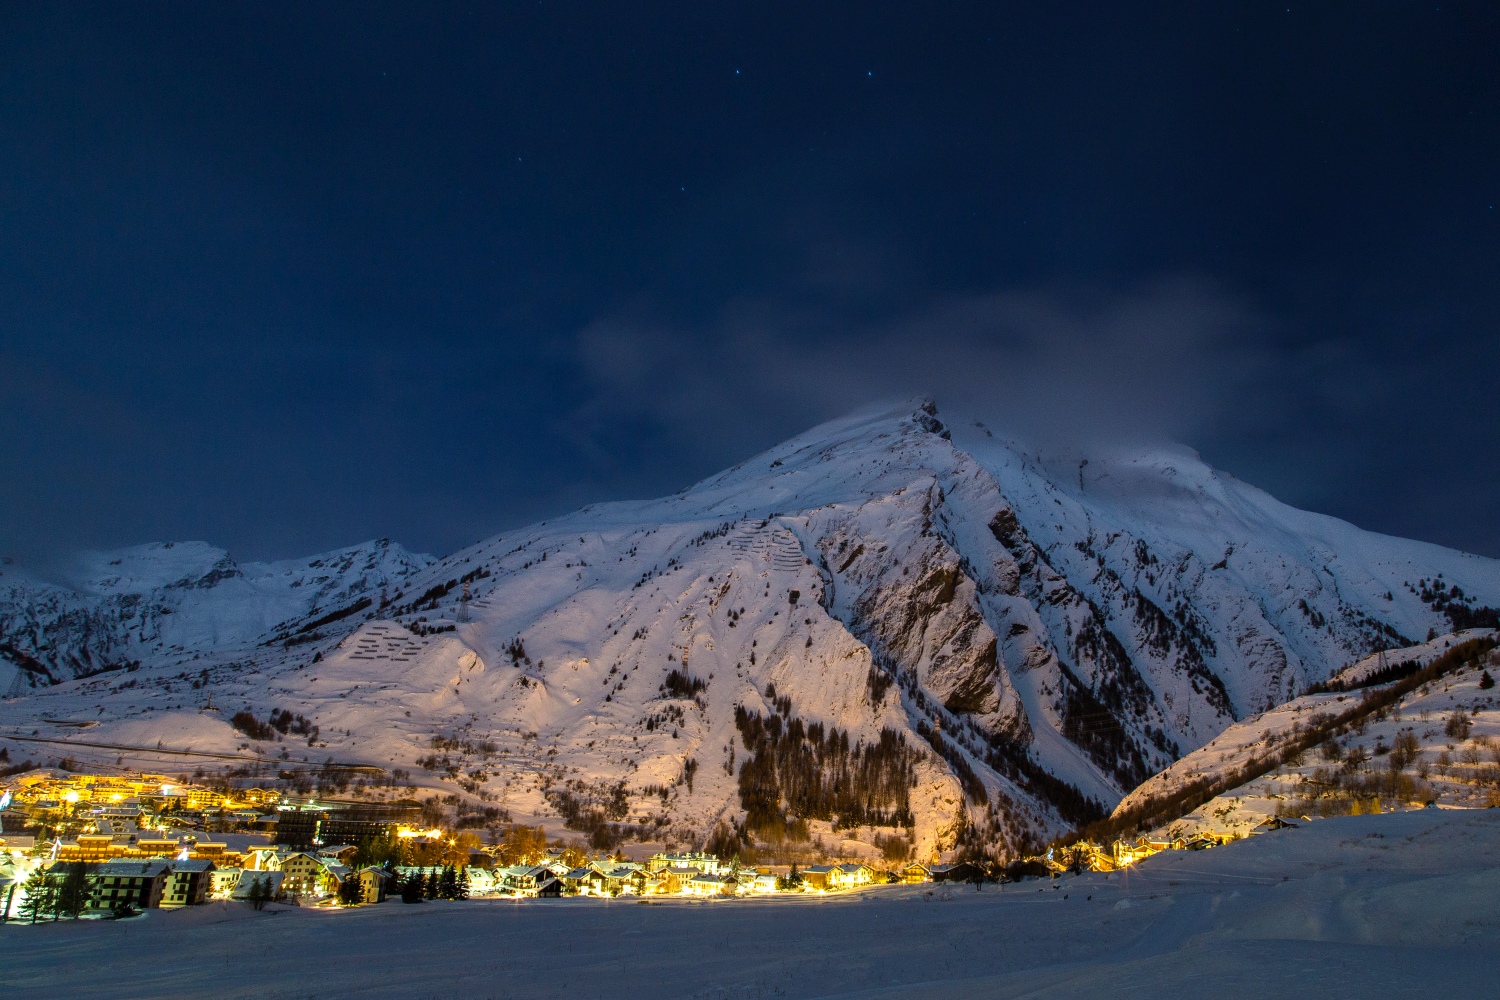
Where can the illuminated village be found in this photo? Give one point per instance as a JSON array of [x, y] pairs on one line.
[[76, 844], [111, 846]]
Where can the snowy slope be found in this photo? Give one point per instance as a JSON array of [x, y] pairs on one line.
[[156, 602], [1449, 770], [1041, 635]]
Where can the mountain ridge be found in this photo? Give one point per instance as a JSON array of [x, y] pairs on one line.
[[1038, 642], [110, 610]]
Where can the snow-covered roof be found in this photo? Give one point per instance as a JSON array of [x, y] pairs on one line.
[[134, 869]]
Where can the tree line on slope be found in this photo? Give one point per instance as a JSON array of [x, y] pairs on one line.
[[1162, 809], [1459, 608], [283, 722], [799, 771]]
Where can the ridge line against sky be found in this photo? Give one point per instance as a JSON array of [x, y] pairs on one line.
[[286, 279]]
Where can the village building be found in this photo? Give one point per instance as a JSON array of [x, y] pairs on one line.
[[303, 874], [961, 871], [129, 883], [404, 872], [816, 876], [577, 880], [846, 875], [187, 883], [483, 881], [711, 885], [90, 847], [156, 847], [272, 881], [764, 883], [916, 872], [374, 883], [117, 820], [850, 875], [333, 876], [17, 845], [1128, 854], [677, 877], [707, 864], [221, 882], [523, 880], [617, 879], [654, 883], [597, 883], [97, 847], [212, 850], [310, 827]]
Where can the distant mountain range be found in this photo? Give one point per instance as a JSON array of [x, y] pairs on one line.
[[154, 603], [896, 628]]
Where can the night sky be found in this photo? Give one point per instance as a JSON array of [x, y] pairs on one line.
[[286, 278]]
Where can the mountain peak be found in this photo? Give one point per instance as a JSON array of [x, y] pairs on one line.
[[140, 568], [1028, 637]]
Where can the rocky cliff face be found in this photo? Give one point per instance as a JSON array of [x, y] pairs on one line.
[[892, 630]]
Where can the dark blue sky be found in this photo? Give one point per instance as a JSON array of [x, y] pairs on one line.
[[286, 278]]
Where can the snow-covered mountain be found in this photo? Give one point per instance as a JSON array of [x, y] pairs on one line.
[[154, 603], [889, 627]]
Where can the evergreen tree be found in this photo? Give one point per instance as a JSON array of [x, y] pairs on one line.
[[260, 893], [461, 884], [1486, 681], [351, 890], [73, 893], [448, 883], [413, 888], [376, 851], [39, 896], [432, 885]]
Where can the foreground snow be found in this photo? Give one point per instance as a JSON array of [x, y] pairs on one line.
[[1392, 905]]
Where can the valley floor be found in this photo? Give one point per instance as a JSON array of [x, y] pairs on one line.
[[1393, 905]]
